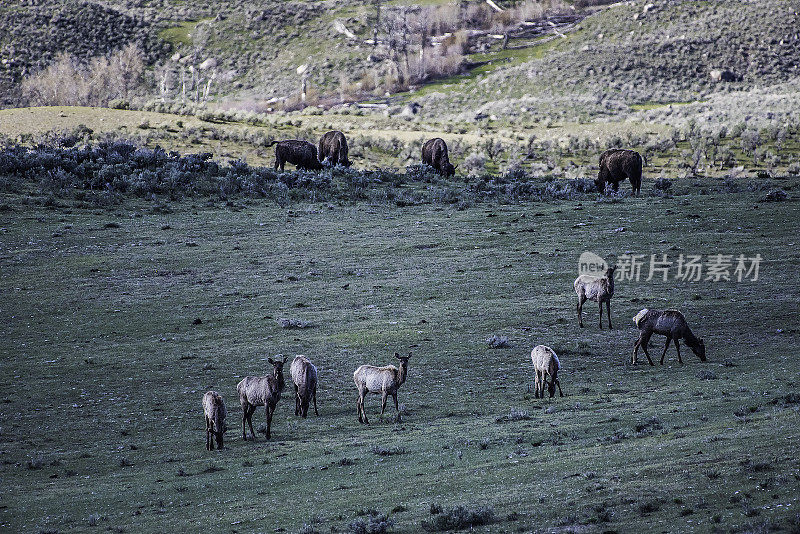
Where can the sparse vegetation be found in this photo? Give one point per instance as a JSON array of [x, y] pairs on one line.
[[105, 80], [390, 451]]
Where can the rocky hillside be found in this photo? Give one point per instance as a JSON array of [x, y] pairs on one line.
[[632, 53], [642, 53], [256, 47], [34, 32]]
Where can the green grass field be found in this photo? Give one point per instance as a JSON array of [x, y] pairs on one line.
[[103, 368]]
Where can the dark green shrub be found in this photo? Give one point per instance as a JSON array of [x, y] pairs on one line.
[[460, 518], [376, 524]]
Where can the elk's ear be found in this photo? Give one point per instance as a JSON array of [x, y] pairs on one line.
[[409, 354], [397, 355], [285, 358], [270, 360]]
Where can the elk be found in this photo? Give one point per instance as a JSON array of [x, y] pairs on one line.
[[600, 290], [214, 408], [264, 391], [670, 323], [384, 380], [304, 378], [545, 363]]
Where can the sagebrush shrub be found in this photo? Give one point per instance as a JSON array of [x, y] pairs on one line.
[[460, 517]]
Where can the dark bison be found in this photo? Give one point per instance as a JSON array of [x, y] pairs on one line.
[[333, 149], [434, 153], [616, 165], [300, 153]]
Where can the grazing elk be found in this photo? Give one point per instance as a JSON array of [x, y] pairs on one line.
[[545, 363], [617, 164], [434, 153], [264, 391], [600, 290], [214, 408], [301, 154], [304, 378], [384, 380], [670, 323], [333, 149]]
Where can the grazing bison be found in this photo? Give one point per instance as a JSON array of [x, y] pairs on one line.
[[333, 149], [617, 164], [434, 153], [300, 153]]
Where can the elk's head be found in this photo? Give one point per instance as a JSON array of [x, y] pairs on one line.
[[277, 368], [700, 350]]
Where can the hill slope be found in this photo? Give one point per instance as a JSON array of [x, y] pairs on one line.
[[33, 35], [633, 53]]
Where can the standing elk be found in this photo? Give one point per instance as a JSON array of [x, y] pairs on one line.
[[214, 409], [384, 380], [264, 391], [304, 379], [545, 363], [600, 290]]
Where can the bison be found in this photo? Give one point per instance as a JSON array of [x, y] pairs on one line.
[[617, 164], [434, 153], [333, 149], [300, 153]]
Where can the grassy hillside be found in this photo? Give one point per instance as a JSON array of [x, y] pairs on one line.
[[122, 319], [490, 152], [378, 141]]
